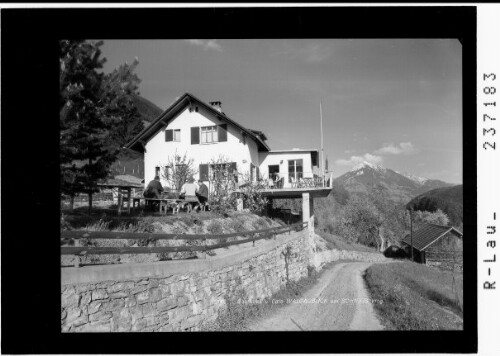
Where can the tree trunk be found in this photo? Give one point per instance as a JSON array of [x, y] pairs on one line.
[[382, 239], [90, 189], [90, 202], [71, 202]]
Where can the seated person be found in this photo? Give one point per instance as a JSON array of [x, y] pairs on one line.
[[202, 194], [154, 189], [189, 191]]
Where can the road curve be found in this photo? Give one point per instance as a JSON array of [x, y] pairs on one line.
[[338, 301]]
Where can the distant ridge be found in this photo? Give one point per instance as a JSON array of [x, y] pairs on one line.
[[148, 110], [448, 199], [398, 187]]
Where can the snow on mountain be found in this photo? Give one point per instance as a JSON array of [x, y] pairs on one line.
[[368, 165], [419, 180]]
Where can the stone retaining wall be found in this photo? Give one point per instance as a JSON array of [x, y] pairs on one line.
[[169, 296], [324, 257]]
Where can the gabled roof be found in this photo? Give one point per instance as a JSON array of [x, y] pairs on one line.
[[428, 234], [139, 141]]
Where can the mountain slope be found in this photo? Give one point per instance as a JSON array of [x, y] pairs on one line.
[[447, 199], [147, 109], [128, 161]]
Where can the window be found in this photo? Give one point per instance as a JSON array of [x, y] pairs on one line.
[[209, 134], [173, 135], [295, 169], [177, 135]]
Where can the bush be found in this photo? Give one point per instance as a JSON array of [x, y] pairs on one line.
[[215, 227]]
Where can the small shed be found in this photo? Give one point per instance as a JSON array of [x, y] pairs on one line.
[[436, 245]]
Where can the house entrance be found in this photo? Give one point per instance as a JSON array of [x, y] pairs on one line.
[[273, 171]]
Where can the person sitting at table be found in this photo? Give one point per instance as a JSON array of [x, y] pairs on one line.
[[189, 191], [154, 189], [202, 194]]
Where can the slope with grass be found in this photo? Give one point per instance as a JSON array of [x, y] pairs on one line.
[[199, 223], [416, 297]]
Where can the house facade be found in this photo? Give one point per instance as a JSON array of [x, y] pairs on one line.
[[205, 134]]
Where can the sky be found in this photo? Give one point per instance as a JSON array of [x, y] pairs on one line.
[[392, 102]]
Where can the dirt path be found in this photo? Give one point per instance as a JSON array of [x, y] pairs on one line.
[[337, 302]]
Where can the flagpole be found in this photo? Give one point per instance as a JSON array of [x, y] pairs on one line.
[[322, 153]]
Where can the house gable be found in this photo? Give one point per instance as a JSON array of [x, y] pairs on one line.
[[185, 102]]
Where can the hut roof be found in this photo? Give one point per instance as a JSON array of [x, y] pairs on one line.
[[428, 234]]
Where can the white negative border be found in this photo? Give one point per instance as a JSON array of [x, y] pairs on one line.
[[488, 162], [488, 176]]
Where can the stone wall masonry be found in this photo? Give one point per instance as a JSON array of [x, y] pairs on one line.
[[327, 256], [168, 296]]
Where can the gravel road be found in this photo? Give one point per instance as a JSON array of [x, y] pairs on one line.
[[338, 301]]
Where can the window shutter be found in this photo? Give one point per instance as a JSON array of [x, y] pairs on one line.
[[233, 169], [257, 170], [195, 135], [204, 172], [222, 132], [169, 135]]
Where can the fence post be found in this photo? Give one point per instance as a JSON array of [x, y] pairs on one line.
[[205, 247], [120, 201], [77, 260]]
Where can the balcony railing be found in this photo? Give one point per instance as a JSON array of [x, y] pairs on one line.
[[308, 182]]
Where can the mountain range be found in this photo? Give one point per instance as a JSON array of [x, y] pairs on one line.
[[399, 187]]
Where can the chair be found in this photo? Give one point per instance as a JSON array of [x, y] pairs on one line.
[[294, 182], [270, 183]]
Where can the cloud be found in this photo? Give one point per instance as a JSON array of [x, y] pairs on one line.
[[355, 160], [206, 44], [395, 149]]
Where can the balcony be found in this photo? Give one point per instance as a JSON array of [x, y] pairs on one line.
[[316, 187]]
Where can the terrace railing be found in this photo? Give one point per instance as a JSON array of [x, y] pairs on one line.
[[77, 235]]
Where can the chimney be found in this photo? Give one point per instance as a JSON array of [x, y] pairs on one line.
[[216, 105]]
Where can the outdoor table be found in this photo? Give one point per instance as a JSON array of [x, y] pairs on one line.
[[163, 202]]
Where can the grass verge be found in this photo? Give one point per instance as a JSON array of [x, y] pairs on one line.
[[416, 297]]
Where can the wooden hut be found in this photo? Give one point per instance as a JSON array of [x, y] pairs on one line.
[[436, 245]]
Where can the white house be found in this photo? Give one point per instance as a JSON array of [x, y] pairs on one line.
[[204, 133]]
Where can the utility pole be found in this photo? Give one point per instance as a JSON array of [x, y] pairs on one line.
[[322, 151], [411, 233]]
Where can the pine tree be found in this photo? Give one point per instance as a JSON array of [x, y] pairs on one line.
[[87, 118], [121, 86]]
